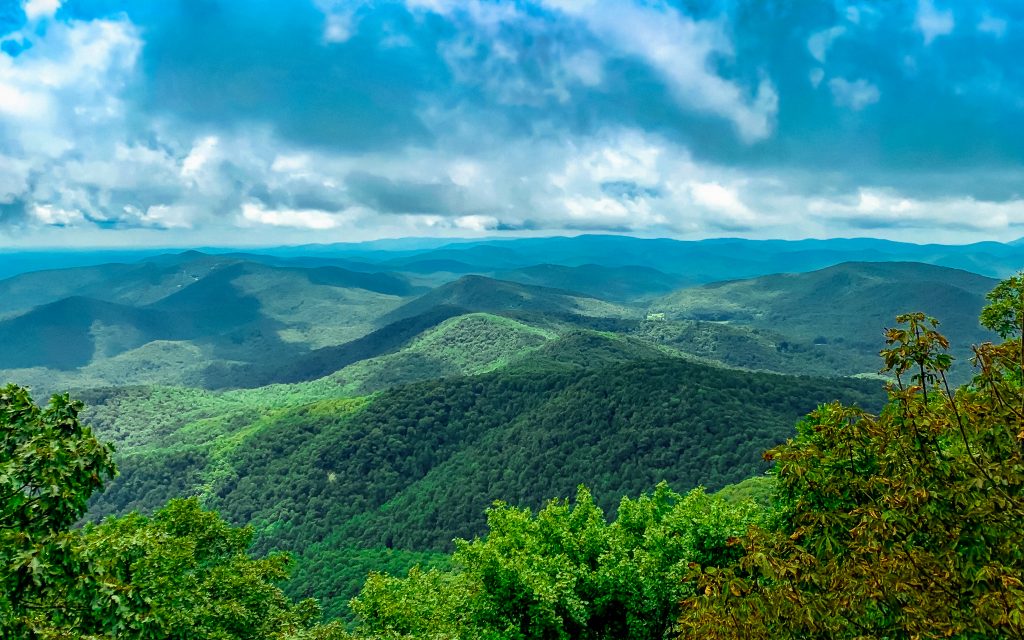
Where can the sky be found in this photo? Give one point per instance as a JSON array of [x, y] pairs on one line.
[[258, 122]]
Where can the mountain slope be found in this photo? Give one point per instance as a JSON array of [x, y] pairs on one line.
[[69, 333], [844, 308], [607, 283], [222, 313], [478, 293], [415, 465]]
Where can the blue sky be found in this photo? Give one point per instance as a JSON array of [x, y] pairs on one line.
[[196, 122]]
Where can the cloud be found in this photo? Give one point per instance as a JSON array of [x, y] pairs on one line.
[[681, 50], [201, 153], [933, 22], [208, 122], [722, 200], [37, 9], [820, 42], [296, 218], [882, 209], [856, 94], [816, 75], [51, 215], [404, 196], [992, 25]]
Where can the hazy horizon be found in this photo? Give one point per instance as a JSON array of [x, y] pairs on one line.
[[440, 241]]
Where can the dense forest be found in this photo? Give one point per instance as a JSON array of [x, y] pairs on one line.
[[879, 518]]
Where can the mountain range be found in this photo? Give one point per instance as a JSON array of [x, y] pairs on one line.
[[362, 405]]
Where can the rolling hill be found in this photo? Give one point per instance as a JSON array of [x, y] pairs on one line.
[[478, 293], [71, 332], [842, 309], [609, 283], [415, 465], [217, 313]]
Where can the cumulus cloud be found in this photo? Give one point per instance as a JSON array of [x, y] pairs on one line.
[[933, 22], [820, 42], [681, 50], [992, 25], [297, 218], [855, 94], [36, 9], [883, 209], [340, 120]]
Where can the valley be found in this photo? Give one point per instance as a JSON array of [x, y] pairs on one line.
[[363, 416]]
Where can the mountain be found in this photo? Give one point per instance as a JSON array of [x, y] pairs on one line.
[[696, 261], [69, 333], [223, 313], [410, 467], [842, 309], [156, 277], [609, 283], [478, 293]]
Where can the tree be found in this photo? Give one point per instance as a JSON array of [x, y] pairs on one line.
[[49, 467], [563, 573], [182, 573], [1005, 311], [185, 573], [902, 525]]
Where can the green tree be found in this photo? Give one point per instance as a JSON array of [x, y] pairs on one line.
[[1005, 311], [562, 573], [49, 467], [902, 525], [182, 573]]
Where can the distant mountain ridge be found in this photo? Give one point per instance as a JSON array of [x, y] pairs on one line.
[[246, 319]]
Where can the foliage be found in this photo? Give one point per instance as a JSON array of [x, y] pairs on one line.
[[183, 573], [1005, 312], [759, 489], [413, 467], [901, 525], [336, 574], [564, 573], [826, 320], [49, 467]]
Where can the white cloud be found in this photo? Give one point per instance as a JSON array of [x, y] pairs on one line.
[[295, 164], [202, 152], [297, 218], [933, 22], [340, 20], [36, 9], [51, 215], [816, 76], [22, 103], [163, 216], [992, 25], [628, 157], [65, 86], [819, 43], [885, 208], [720, 199], [855, 95], [478, 223], [681, 49]]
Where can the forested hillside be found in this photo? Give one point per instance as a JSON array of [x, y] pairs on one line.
[[823, 320], [414, 467], [646, 567], [363, 410]]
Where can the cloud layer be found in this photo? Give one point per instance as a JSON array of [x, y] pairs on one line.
[[227, 122]]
